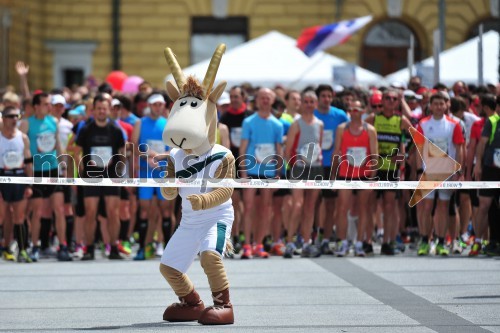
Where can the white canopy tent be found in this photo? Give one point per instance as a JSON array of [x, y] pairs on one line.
[[461, 62], [273, 59]]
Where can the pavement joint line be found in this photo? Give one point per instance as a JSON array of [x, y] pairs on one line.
[[426, 313]]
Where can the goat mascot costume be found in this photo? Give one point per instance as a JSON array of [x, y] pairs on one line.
[[207, 216]]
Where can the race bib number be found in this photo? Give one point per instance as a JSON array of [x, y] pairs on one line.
[[442, 143], [327, 139], [46, 142], [264, 150], [356, 155], [496, 157], [236, 136], [101, 155], [156, 145], [13, 160], [310, 152]]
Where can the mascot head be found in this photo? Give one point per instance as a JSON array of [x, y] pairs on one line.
[[192, 122]]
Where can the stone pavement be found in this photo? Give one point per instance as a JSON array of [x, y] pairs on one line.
[[380, 294]]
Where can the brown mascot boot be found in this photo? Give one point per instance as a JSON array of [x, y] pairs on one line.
[[189, 309], [221, 313]]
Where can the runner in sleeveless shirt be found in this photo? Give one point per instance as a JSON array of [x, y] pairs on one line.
[[355, 146], [152, 152], [303, 153], [42, 132], [15, 161]]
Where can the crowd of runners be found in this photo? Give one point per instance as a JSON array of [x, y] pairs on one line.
[[320, 132]]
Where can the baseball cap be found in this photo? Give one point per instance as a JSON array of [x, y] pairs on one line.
[[115, 102], [155, 99], [224, 99], [77, 111], [398, 85], [58, 99], [410, 94]]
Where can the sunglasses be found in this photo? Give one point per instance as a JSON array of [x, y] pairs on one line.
[[11, 116], [390, 98], [377, 106], [355, 110]]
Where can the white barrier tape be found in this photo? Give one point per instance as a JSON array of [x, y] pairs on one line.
[[251, 183]]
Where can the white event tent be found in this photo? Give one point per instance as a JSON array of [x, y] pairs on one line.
[[461, 62], [273, 59]]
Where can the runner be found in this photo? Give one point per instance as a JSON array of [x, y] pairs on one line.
[[42, 132], [15, 161], [355, 142], [102, 145], [261, 144], [445, 133], [303, 153]]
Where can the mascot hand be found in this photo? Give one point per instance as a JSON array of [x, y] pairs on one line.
[[169, 193], [196, 201]]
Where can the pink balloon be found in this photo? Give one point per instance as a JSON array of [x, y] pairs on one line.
[[131, 84], [116, 79]]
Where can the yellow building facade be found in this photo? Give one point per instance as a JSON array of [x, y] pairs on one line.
[[58, 37]]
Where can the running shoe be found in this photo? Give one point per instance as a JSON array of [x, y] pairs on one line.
[[126, 246], [387, 249], [159, 250], [123, 249], [114, 254], [310, 251], [278, 249], [456, 248], [63, 254], [78, 252], [89, 253], [150, 251], [343, 249], [247, 252], [368, 248], [141, 255], [441, 250], [475, 250], [35, 253], [493, 251], [8, 255], [358, 250], [24, 257], [259, 252], [289, 249], [424, 249], [325, 247], [48, 253]]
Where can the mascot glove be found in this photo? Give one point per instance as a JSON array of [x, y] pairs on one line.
[[196, 201]]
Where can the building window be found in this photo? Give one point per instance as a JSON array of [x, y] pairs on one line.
[[208, 32], [385, 47], [72, 62]]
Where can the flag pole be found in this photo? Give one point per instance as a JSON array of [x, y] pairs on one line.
[[308, 68], [411, 52], [437, 51], [480, 78]]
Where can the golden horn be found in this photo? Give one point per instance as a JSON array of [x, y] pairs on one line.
[[179, 77], [209, 79]]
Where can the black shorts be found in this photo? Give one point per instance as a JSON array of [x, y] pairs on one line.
[[97, 191], [326, 193], [390, 176], [12, 192], [474, 197], [281, 192], [490, 174], [80, 204], [124, 195], [67, 194], [44, 190]]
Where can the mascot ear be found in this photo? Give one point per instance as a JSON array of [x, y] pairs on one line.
[[172, 91], [217, 92]]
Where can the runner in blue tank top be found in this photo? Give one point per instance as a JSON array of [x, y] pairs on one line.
[[147, 138]]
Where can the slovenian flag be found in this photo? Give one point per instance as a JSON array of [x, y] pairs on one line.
[[321, 37]]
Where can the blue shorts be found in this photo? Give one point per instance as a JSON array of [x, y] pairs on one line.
[[146, 193]]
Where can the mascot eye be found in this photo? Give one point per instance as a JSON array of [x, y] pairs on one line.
[[183, 103], [194, 104]]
